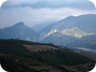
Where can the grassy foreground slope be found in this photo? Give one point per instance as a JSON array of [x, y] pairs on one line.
[[25, 56]]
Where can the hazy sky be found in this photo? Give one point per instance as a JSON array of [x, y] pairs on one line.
[[32, 12]]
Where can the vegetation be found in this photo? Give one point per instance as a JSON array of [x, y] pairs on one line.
[[14, 56]]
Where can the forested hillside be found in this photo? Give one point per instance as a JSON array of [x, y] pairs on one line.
[[26, 56]]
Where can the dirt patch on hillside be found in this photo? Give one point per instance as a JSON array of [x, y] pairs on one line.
[[36, 48]]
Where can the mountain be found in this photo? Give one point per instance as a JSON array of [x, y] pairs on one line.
[[59, 39], [18, 31], [85, 23], [90, 39], [42, 33], [85, 42], [77, 30], [68, 31]]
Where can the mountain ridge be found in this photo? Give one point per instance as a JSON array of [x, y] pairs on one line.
[[74, 27], [18, 31]]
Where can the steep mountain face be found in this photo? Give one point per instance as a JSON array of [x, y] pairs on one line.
[[59, 39], [42, 34], [75, 32], [72, 31], [18, 31], [86, 23]]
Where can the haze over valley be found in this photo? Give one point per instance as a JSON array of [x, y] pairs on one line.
[[73, 31]]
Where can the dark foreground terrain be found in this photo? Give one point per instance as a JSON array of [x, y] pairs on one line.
[[24, 56]]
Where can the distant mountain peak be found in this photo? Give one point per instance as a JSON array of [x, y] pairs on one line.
[[19, 24], [18, 31]]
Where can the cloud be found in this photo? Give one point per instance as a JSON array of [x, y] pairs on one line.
[[33, 12], [77, 4], [31, 16]]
